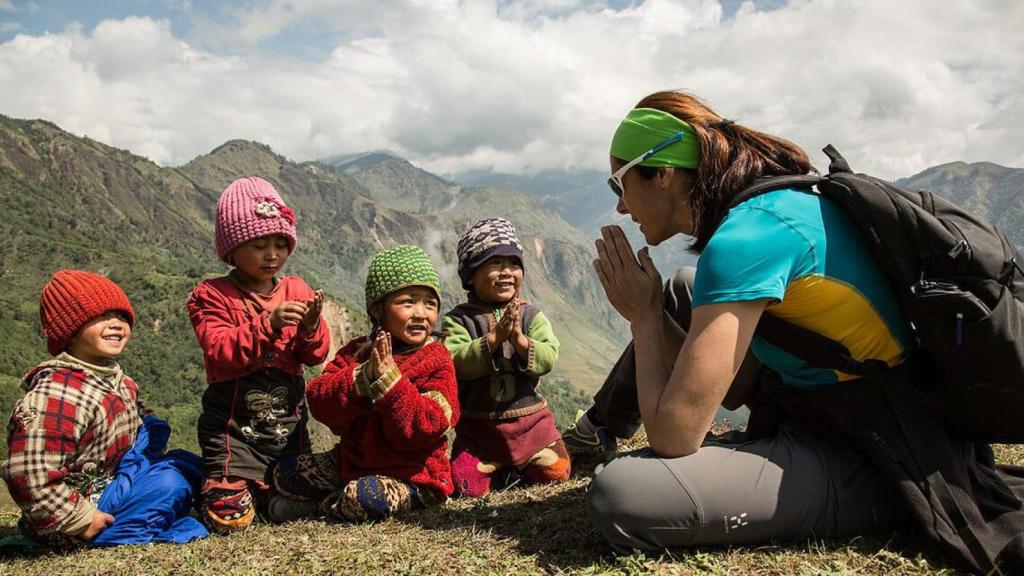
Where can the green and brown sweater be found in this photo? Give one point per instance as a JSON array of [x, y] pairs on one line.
[[498, 384]]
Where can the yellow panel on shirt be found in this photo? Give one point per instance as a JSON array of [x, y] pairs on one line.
[[805, 254]]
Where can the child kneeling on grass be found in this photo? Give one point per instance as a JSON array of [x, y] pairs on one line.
[[257, 329], [501, 347], [392, 397], [86, 462]]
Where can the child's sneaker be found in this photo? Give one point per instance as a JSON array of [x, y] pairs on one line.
[[585, 439]]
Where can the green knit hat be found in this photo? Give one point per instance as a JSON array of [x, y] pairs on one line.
[[644, 128], [397, 268]]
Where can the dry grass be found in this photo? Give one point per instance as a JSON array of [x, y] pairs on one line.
[[536, 530], [520, 530]]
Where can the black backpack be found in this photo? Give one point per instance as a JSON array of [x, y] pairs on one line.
[[959, 283]]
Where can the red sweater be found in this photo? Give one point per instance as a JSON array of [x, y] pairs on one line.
[[232, 325], [401, 425]]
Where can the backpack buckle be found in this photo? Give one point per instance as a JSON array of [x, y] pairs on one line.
[[846, 363], [958, 249]]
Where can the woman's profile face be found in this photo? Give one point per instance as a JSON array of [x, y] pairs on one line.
[[658, 204]]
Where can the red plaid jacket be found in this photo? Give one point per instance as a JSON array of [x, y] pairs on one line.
[[71, 427]]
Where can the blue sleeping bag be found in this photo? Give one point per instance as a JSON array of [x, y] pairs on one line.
[[152, 493]]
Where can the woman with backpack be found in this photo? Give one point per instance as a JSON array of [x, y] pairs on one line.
[[827, 453]]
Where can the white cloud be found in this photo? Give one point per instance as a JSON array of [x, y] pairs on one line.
[[10, 6], [538, 84]]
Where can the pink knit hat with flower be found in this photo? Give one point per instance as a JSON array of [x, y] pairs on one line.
[[251, 208]]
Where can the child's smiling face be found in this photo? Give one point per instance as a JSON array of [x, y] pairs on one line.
[[498, 279], [101, 338], [410, 314]]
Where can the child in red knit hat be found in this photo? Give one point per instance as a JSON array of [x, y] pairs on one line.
[[391, 397], [80, 464], [257, 330]]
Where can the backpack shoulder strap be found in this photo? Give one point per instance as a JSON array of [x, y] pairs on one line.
[[767, 184], [837, 164], [812, 347]]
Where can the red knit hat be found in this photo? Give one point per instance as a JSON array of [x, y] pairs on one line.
[[73, 297]]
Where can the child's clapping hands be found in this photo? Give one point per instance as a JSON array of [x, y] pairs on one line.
[[509, 329], [296, 312], [314, 306], [380, 360]]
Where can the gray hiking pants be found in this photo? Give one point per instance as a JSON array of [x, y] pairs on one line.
[[789, 487]]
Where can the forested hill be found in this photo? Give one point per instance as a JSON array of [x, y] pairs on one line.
[[73, 202], [989, 190]]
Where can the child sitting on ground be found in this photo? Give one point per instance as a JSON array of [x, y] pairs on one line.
[[391, 397], [501, 348], [256, 330], [85, 462]]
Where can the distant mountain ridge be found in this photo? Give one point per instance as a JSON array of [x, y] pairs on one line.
[[989, 190], [396, 183], [71, 202]]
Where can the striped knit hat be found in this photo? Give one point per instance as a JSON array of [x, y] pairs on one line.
[[485, 239], [74, 297], [251, 208], [397, 268]]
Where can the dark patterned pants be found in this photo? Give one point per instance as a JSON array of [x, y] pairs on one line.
[[372, 497]]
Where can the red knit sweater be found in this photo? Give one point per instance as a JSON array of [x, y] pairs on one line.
[[232, 325], [401, 425]]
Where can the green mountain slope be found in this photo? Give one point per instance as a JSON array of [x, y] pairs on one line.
[[76, 203], [398, 184], [989, 190], [72, 202]]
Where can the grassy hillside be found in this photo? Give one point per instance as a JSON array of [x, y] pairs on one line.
[[531, 530]]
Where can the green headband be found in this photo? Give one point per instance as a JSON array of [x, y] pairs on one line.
[[645, 128]]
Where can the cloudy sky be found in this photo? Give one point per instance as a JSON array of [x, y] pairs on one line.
[[518, 86]]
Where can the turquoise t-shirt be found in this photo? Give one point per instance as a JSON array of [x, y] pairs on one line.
[[805, 254]]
